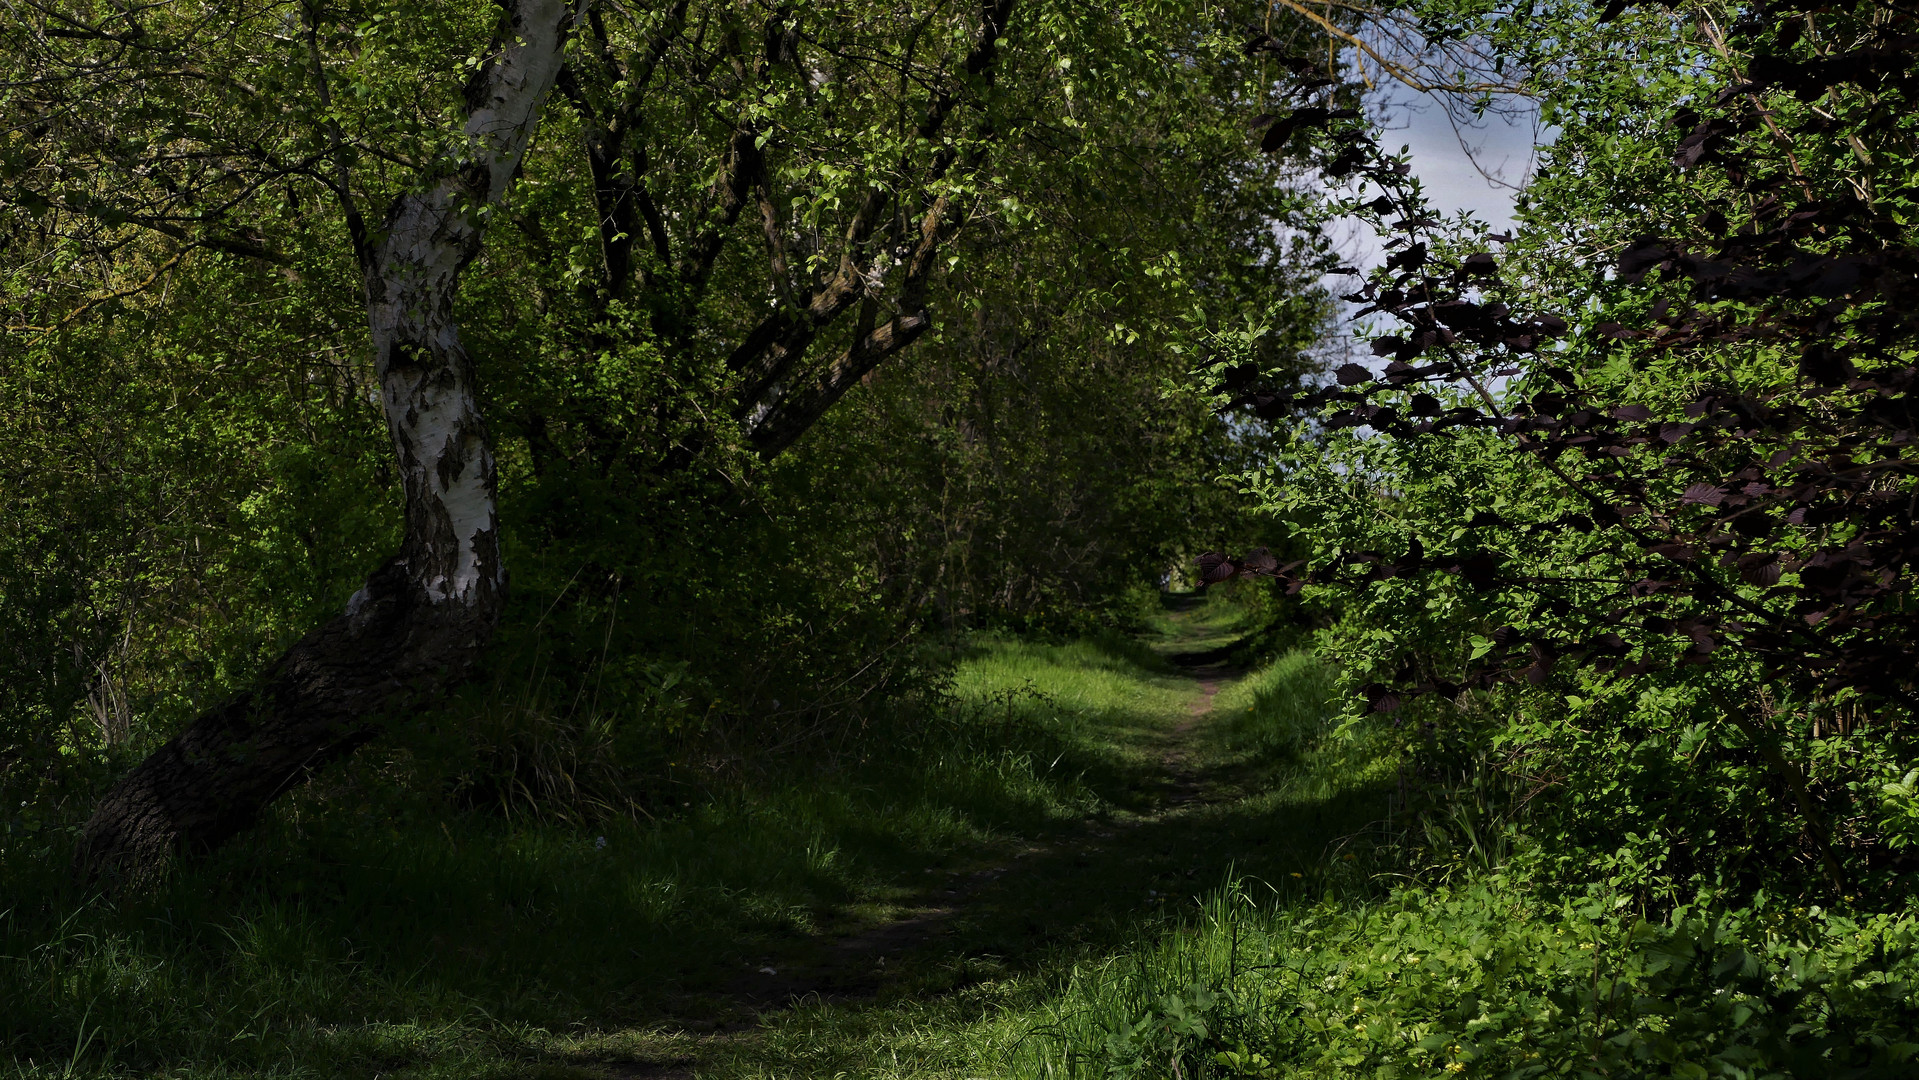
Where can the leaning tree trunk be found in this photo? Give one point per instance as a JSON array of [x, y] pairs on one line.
[[420, 621]]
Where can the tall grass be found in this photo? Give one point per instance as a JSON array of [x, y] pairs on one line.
[[1280, 710], [370, 949]]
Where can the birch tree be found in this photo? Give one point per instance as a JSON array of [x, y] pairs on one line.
[[149, 120]]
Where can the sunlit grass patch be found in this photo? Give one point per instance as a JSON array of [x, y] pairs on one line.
[[1107, 681], [1280, 709], [1188, 623]]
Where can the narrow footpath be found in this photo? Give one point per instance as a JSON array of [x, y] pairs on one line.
[[1190, 817]]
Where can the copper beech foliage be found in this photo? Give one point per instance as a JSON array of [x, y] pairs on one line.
[[1770, 516]]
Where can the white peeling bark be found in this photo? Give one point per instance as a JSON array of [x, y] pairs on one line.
[[412, 275]]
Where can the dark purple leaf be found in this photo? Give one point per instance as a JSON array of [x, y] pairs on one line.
[[1259, 561], [1760, 568], [1702, 494], [1412, 258], [1641, 257]]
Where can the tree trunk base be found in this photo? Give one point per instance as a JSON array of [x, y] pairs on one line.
[[326, 696]]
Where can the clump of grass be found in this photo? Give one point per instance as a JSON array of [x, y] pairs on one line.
[[1281, 710]]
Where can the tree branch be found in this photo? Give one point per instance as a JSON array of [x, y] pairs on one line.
[[336, 144], [782, 417], [773, 413]]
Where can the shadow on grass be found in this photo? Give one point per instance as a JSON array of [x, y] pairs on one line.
[[389, 937], [1099, 892]]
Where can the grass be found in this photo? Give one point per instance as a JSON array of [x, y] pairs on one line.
[[1106, 702], [1093, 881], [1280, 711], [370, 932], [1041, 971], [1329, 970], [1199, 623]]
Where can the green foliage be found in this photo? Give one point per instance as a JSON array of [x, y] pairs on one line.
[[1589, 680], [190, 439], [1484, 979], [1642, 780], [184, 501]]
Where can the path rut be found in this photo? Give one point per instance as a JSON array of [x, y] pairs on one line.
[[853, 967]]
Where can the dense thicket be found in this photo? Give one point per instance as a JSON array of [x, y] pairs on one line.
[[1625, 525]]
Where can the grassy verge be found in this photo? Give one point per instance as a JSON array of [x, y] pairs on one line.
[[1075, 953], [372, 932], [1487, 979]]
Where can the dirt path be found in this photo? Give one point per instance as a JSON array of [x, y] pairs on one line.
[[1178, 755], [857, 967], [853, 966]]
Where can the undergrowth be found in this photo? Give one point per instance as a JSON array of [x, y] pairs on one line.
[[1486, 980], [370, 928]]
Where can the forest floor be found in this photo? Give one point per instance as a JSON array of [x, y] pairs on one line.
[[922, 908], [1113, 856], [952, 974]]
